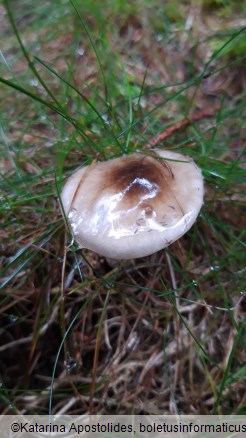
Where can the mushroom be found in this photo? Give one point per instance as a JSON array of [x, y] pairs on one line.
[[135, 205]]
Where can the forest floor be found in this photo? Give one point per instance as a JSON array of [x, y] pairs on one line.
[[164, 334]]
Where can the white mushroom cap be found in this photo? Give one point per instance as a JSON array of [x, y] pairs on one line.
[[135, 205]]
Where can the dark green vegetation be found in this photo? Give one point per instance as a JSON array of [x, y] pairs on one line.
[[163, 334]]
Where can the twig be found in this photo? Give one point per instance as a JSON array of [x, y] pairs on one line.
[[202, 114]]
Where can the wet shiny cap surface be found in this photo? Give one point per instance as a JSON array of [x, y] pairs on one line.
[[135, 205]]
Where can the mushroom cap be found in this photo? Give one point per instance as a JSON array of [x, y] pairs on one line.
[[135, 205]]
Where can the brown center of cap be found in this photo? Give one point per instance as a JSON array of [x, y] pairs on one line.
[[139, 177], [135, 188]]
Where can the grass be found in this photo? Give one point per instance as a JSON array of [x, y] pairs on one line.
[[162, 334]]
